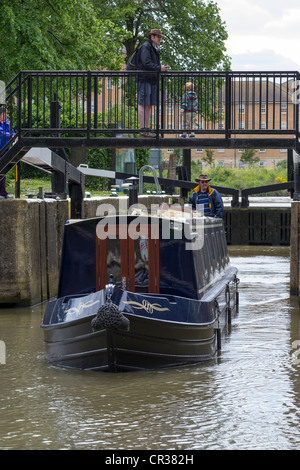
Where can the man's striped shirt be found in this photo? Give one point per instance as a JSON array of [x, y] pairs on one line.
[[202, 198]]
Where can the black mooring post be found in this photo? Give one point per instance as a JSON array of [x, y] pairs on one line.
[[132, 191], [76, 195]]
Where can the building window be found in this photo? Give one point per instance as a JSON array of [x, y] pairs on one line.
[[284, 125], [262, 150], [241, 125], [263, 125], [199, 150], [220, 150], [241, 109], [283, 108], [109, 84], [262, 163], [221, 163], [263, 108], [170, 150], [170, 109]]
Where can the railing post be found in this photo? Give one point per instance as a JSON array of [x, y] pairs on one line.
[[89, 105], [29, 100], [55, 107], [227, 106], [162, 103], [19, 124], [297, 108]]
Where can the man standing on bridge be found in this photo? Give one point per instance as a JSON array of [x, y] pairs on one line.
[[207, 197], [147, 83]]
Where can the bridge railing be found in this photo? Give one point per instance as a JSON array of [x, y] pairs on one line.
[[104, 103]]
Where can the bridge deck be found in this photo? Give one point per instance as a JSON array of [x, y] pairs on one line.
[[63, 109]]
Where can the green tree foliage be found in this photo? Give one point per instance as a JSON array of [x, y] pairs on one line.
[[98, 158], [209, 159], [50, 35], [244, 178], [194, 33], [249, 156], [141, 157]]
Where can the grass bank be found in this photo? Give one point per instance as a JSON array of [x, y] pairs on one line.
[[246, 178], [228, 177]]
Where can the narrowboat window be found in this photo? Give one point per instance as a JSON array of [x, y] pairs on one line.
[[201, 272], [113, 260], [141, 265], [207, 257], [221, 250], [214, 250]]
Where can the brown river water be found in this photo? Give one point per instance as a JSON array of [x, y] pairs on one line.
[[247, 397]]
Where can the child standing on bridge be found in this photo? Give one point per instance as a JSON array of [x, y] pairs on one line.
[[188, 108]]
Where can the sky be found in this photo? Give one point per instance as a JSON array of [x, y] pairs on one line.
[[264, 35]]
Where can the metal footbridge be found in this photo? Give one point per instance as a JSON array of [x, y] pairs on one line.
[[57, 110]]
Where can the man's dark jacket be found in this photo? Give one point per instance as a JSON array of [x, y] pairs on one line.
[[148, 59], [214, 200]]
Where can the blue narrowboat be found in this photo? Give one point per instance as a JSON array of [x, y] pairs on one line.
[[140, 292]]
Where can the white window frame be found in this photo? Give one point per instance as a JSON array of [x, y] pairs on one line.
[[283, 108], [109, 83]]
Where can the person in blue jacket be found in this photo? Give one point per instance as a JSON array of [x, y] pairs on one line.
[[6, 134], [148, 61], [208, 198]]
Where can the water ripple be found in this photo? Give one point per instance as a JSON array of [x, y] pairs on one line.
[[247, 397]]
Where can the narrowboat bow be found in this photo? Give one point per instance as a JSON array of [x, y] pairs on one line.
[[140, 292]]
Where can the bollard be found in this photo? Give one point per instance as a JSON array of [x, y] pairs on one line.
[[132, 190]]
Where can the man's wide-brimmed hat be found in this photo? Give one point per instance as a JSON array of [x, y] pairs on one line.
[[157, 32], [202, 178]]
